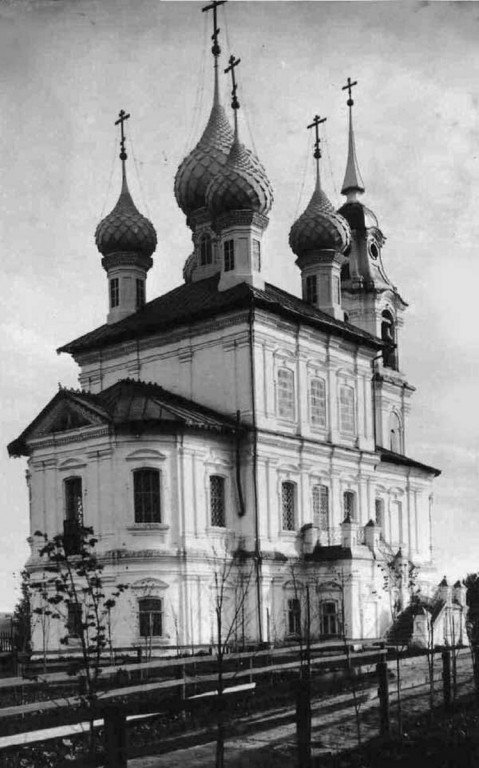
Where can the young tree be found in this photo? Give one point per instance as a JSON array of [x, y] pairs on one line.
[[232, 574], [72, 592], [301, 591]]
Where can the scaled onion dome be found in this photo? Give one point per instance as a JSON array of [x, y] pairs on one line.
[[204, 161], [241, 185], [125, 230], [319, 228]]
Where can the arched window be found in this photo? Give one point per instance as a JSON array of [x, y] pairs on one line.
[[147, 501], [285, 394], [349, 504], [395, 433], [317, 400], [288, 506], [217, 501], [328, 618], [321, 507], [206, 250], [388, 335], [151, 616], [346, 410]]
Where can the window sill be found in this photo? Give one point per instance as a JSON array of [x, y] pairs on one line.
[[148, 528]]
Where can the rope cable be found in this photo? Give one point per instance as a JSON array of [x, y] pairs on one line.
[[115, 146], [138, 176], [306, 162], [326, 142]]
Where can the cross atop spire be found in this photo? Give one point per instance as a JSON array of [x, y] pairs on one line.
[[353, 183], [317, 120], [349, 86], [233, 62], [122, 118], [216, 50]]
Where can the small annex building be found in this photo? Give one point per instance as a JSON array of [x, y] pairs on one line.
[[230, 422]]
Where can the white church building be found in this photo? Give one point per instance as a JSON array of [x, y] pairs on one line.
[[229, 426]]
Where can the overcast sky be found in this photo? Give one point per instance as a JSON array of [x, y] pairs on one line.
[[66, 69]]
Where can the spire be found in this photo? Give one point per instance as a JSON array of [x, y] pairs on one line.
[[353, 183]]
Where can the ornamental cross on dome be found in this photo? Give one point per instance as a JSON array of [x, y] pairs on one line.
[[317, 120], [348, 87], [233, 63], [216, 50], [121, 120]]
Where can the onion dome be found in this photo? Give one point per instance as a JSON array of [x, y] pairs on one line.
[[241, 185], [125, 230], [205, 161], [319, 228]]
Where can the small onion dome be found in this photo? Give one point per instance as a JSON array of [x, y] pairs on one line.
[[319, 227], [241, 185], [358, 215], [125, 230], [204, 162]]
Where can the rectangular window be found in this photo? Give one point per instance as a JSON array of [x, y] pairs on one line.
[[151, 617], [380, 513], [329, 624], [346, 410], [321, 507], [74, 619], [257, 255], [294, 616], [229, 254], [336, 290], [312, 289], [317, 394], [285, 394], [147, 500], [217, 501], [114, 292], [140, 293], [288, 506], [73, 499], [349, 504]]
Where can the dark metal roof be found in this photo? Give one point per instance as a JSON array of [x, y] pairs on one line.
[[193, 302], [128, 402], [396, 458]]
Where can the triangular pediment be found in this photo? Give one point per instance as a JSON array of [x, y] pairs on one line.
[[67, 411]]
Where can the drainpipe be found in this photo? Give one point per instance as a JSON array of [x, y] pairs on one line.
[[257, 552]]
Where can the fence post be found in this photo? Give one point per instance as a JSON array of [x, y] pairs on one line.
[[115, 737], [446, 679], [383, 694]]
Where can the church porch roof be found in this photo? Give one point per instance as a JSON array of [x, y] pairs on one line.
[[193, 302], [127, 402]]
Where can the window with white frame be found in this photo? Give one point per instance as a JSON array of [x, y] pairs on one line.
[[328, 618], [349, 504], [229, 255], [321, 507], [256, 255], [311, 289], [206, 250], [294, 616], [285, 393], [150, 614], [146, 493], [346, 410], [288, 506], [317, 400], [217, 501]]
